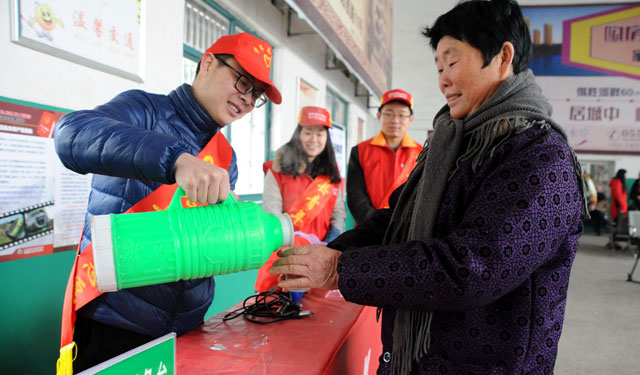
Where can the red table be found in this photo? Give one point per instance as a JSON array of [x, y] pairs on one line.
[[340, 338]]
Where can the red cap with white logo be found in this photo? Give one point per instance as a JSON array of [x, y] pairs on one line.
[[310, 116], [397, 95], [253, 54]]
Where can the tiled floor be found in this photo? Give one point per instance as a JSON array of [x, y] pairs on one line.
[[601, 333]]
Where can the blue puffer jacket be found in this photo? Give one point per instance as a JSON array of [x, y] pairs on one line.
[[131, 144]]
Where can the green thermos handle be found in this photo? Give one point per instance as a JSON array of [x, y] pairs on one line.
[[177, 196]]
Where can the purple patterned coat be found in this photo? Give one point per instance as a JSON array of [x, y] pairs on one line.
[[497, 270]]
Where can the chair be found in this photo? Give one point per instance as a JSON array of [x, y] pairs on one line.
[[619, 231], [634, 239]]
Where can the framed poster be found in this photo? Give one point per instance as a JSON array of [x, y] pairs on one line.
[[358, 31], [103, 35], [307, 95], [42, 204], [586, 59], [337, 134], [360, 130]]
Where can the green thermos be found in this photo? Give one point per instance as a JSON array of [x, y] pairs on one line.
[[148, 248]]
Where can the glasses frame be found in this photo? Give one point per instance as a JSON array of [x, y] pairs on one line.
[[392, 116], [257, 101]]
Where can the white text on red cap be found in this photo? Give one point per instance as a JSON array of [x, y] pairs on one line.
[[317, 116], [397, 95]]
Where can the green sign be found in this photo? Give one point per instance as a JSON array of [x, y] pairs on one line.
[[154, 358]]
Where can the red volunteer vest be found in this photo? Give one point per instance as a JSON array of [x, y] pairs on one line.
[[293, 195], [309, 203], [384, 170]]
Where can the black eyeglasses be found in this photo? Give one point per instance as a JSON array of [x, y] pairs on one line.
[[391, 116], [244, 86]]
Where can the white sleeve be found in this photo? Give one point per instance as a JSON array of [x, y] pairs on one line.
[[271, 196], [591, 187], [339, 213]]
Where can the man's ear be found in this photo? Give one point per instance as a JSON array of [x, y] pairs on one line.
[[378, 115], [207, 62], [506, 59]]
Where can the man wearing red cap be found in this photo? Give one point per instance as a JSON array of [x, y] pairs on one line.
[[379, 165], [140, 143]]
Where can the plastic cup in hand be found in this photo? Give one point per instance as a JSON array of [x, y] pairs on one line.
[[297, 290]]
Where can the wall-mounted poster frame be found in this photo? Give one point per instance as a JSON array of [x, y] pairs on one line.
[[359, 32], [586, 59], [107, 36], [307, 95], [42, 204]]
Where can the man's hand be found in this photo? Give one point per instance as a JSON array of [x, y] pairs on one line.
[[316, 267], [202, 182]]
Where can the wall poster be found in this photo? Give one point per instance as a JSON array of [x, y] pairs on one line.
[[104, 35], [338, 140], [42, 204], [358, 31], [307, 95], [586, 58]]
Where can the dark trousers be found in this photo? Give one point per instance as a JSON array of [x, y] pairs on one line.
[[98, 342], [597, 220]]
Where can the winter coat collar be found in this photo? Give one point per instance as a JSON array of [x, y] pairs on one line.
[[192, 113]]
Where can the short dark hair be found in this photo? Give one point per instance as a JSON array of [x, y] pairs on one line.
[[396, 101], [485, 25], [293, 155], [224, 57], [621, 175]]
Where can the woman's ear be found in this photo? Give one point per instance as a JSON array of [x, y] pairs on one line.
[[506, 59]]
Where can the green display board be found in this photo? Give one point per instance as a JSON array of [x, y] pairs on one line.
[[157, 357]]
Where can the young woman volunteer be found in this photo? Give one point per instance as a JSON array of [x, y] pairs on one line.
[[304, 181]]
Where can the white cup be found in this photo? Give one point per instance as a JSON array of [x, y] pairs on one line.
[[297, 290]]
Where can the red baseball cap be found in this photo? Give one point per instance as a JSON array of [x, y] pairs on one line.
[[253, 54], [310, 116], [397, 95]]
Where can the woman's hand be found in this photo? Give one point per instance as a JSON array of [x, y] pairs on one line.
[[315, 266]]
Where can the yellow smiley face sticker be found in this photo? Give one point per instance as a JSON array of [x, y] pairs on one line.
[[45, 17]]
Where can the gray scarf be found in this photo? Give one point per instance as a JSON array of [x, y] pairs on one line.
[[517, 105]]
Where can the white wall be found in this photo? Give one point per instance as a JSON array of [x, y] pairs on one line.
[[34, 76], [414, 68], [44, 79], [295, 57], [31, 75]]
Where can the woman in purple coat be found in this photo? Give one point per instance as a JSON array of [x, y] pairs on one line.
[[470, 265]]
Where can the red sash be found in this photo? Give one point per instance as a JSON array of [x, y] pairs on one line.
[[303, 212], [311, 203], [402, 177], [82, 287]]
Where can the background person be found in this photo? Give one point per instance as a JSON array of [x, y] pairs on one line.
[[471, 263], [596, 216], [304, 181], [136, 143], [380, 164], [618, 186]]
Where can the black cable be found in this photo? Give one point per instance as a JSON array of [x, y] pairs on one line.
[[268, 307]]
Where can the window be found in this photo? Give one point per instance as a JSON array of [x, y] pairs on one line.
[[339, 118], [202, 26], [205, 22]]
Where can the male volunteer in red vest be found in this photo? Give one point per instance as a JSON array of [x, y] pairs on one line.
[[379, 165], [139, 143]]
